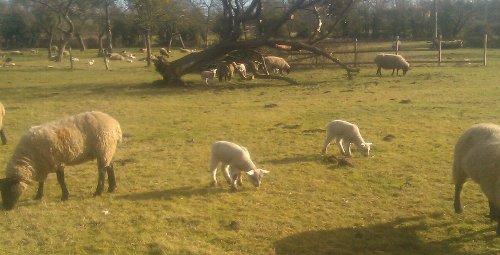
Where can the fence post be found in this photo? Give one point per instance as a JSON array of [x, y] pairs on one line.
[[70, 58], [397, 45], [355, 52], [485, 48], [106, 60], [439, 55]]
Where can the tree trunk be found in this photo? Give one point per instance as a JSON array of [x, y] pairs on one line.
[[148, 46], [172, 72], [108, 26], [81, 42], [51, 38]]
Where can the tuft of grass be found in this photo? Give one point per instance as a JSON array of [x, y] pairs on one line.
[[397, 201]]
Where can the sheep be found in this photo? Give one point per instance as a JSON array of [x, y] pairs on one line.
[[74, 59], [164, 52], [225, 70], [143, 50], [65, 53], [2, 130], [391, 61], [477, 155], [344, 133], [207, 77], [115, 56], [49, 147], [242, 70], [273, 63], [234, 159], [34, 51], [91, 62]]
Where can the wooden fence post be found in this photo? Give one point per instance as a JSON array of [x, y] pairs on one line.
[[440, 52], [355, 52], [485, 48], [106, 60], [70, 58], [397, 45]]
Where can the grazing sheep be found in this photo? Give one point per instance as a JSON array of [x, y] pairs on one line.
[[242, 70], [115, 56], [34, 51], [234, 158], [207, 77], [344, 133], [75, 59], [273, 63], [477, 155], [164, 52], [49, 147], [225, 70], [2, 130], [91, 62], [391, 61], [65, 53]]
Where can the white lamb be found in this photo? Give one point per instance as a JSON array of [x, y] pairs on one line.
[[49, 147], [344, 133], [2, 130], [234, 158], [242, 70], [477, 155], [391, 61], [273, 63], [207, 77]]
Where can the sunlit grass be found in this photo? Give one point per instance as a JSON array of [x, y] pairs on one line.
[[398, 201]]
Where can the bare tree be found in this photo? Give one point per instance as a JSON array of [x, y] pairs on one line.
[[234, 16]]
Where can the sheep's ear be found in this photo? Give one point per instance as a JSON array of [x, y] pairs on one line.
[[264, 171], [251, 172]]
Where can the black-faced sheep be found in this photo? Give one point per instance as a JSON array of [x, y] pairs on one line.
[[234, 159], [2, 129], [49, 147], [344, 133], [477, 155], [391, 61]]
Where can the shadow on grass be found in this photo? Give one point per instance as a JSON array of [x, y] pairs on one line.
[[396, 237], [295, 159], [169, 194]]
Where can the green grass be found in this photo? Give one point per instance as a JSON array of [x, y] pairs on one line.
[[397, 201]]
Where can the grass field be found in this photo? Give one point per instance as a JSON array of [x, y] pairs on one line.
[[397, 201]]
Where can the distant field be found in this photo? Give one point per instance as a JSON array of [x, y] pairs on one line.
[[397, 201]]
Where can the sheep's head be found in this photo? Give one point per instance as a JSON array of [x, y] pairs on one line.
[[256, 176], [405, 69], [365, 149], [11, 189]]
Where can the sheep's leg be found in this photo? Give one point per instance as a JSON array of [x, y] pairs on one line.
[[213, 169], [62, 183], [225, 172], [457, 203], [328, 139], [240, 179], [234, 182], [111, 178], [39, 192], [347, 148], [3, 137], [393, 71], [341, 147], [379, 73], [100, 181]]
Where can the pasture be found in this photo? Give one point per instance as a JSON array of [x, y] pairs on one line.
[[397, 201]]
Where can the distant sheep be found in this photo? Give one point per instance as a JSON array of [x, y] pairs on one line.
[[49, 147], [2, 129], [75, 59], [477, 155], [273, 63], [207, 77], [91, 62], [115, 56], [344, 133], [242, 70], [143, 50], [234, 159], [34, 51], [225, 70], [164, 52], [391, 61]]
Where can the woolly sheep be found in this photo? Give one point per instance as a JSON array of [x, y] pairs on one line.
[[242, 70], [273, 63], [344, 133], [2, 130], [207, 77], [391, 61], [234, 159], [115, 56], [477, 155], [49, 147], [225, 70], [164, 52]]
